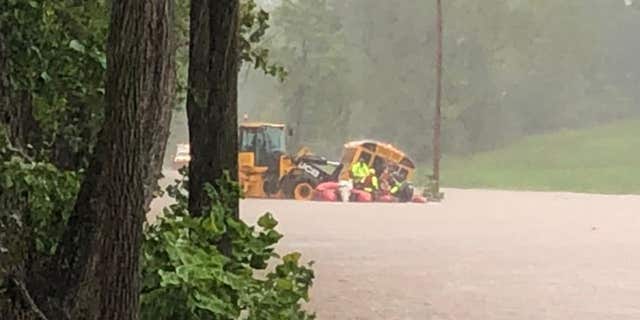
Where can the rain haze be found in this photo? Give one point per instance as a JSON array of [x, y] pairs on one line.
[[539, 97], [320, 159]]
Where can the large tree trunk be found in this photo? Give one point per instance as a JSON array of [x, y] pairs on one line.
[[212, 97], [98, 261]]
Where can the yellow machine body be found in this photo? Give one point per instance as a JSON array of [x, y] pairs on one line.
[[376, 155], [254, 162]]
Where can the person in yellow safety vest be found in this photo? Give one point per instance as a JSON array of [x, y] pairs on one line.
[[359, 172], [395, 183], [400, 189], [394, 190], [371, 182]]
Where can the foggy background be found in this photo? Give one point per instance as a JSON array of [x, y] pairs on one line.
[[512, 68]]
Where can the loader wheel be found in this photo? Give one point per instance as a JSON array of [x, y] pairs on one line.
[[271, 186], [303, 191]]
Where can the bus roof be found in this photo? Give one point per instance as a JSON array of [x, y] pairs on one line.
[[373, 146]]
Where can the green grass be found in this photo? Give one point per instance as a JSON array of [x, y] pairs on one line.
[[600, 160]]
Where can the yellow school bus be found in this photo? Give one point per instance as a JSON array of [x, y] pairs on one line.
[[377, 155]]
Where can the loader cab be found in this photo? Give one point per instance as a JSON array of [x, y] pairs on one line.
[[263, 142], [261, 158]]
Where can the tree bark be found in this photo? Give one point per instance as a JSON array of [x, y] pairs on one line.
[[98, 261], [4, 81], [212, 97], [16, 110], [17, 129]]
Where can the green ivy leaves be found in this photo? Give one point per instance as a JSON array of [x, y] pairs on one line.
[[56, 60], [49, 193], [77, 46], [254, 23], [185, 275], [267, 221]]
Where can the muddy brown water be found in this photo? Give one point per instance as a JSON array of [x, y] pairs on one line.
[[480, 255]]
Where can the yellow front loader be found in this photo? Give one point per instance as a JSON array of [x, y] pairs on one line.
[[265, 170]]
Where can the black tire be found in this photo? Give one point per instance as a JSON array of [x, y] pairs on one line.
[[304, 191], [293, 180], [271, 185]]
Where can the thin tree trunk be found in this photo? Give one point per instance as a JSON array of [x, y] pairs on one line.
[[212, 106], [64, 156], [4, 81], [98, 260], [437, 116], [21, 265], [12, 240], [16, 109]]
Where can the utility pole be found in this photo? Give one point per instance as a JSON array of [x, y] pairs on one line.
[[438, 114], [299, 103]]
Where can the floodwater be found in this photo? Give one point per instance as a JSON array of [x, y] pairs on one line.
[[479, 255]]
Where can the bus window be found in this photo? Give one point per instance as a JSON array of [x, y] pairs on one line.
[[365, 156], [378, 164], [403, 174]]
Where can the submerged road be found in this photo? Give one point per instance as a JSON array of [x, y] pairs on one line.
[[480, 255]]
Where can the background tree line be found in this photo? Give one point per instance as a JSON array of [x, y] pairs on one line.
[[365, 69]]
